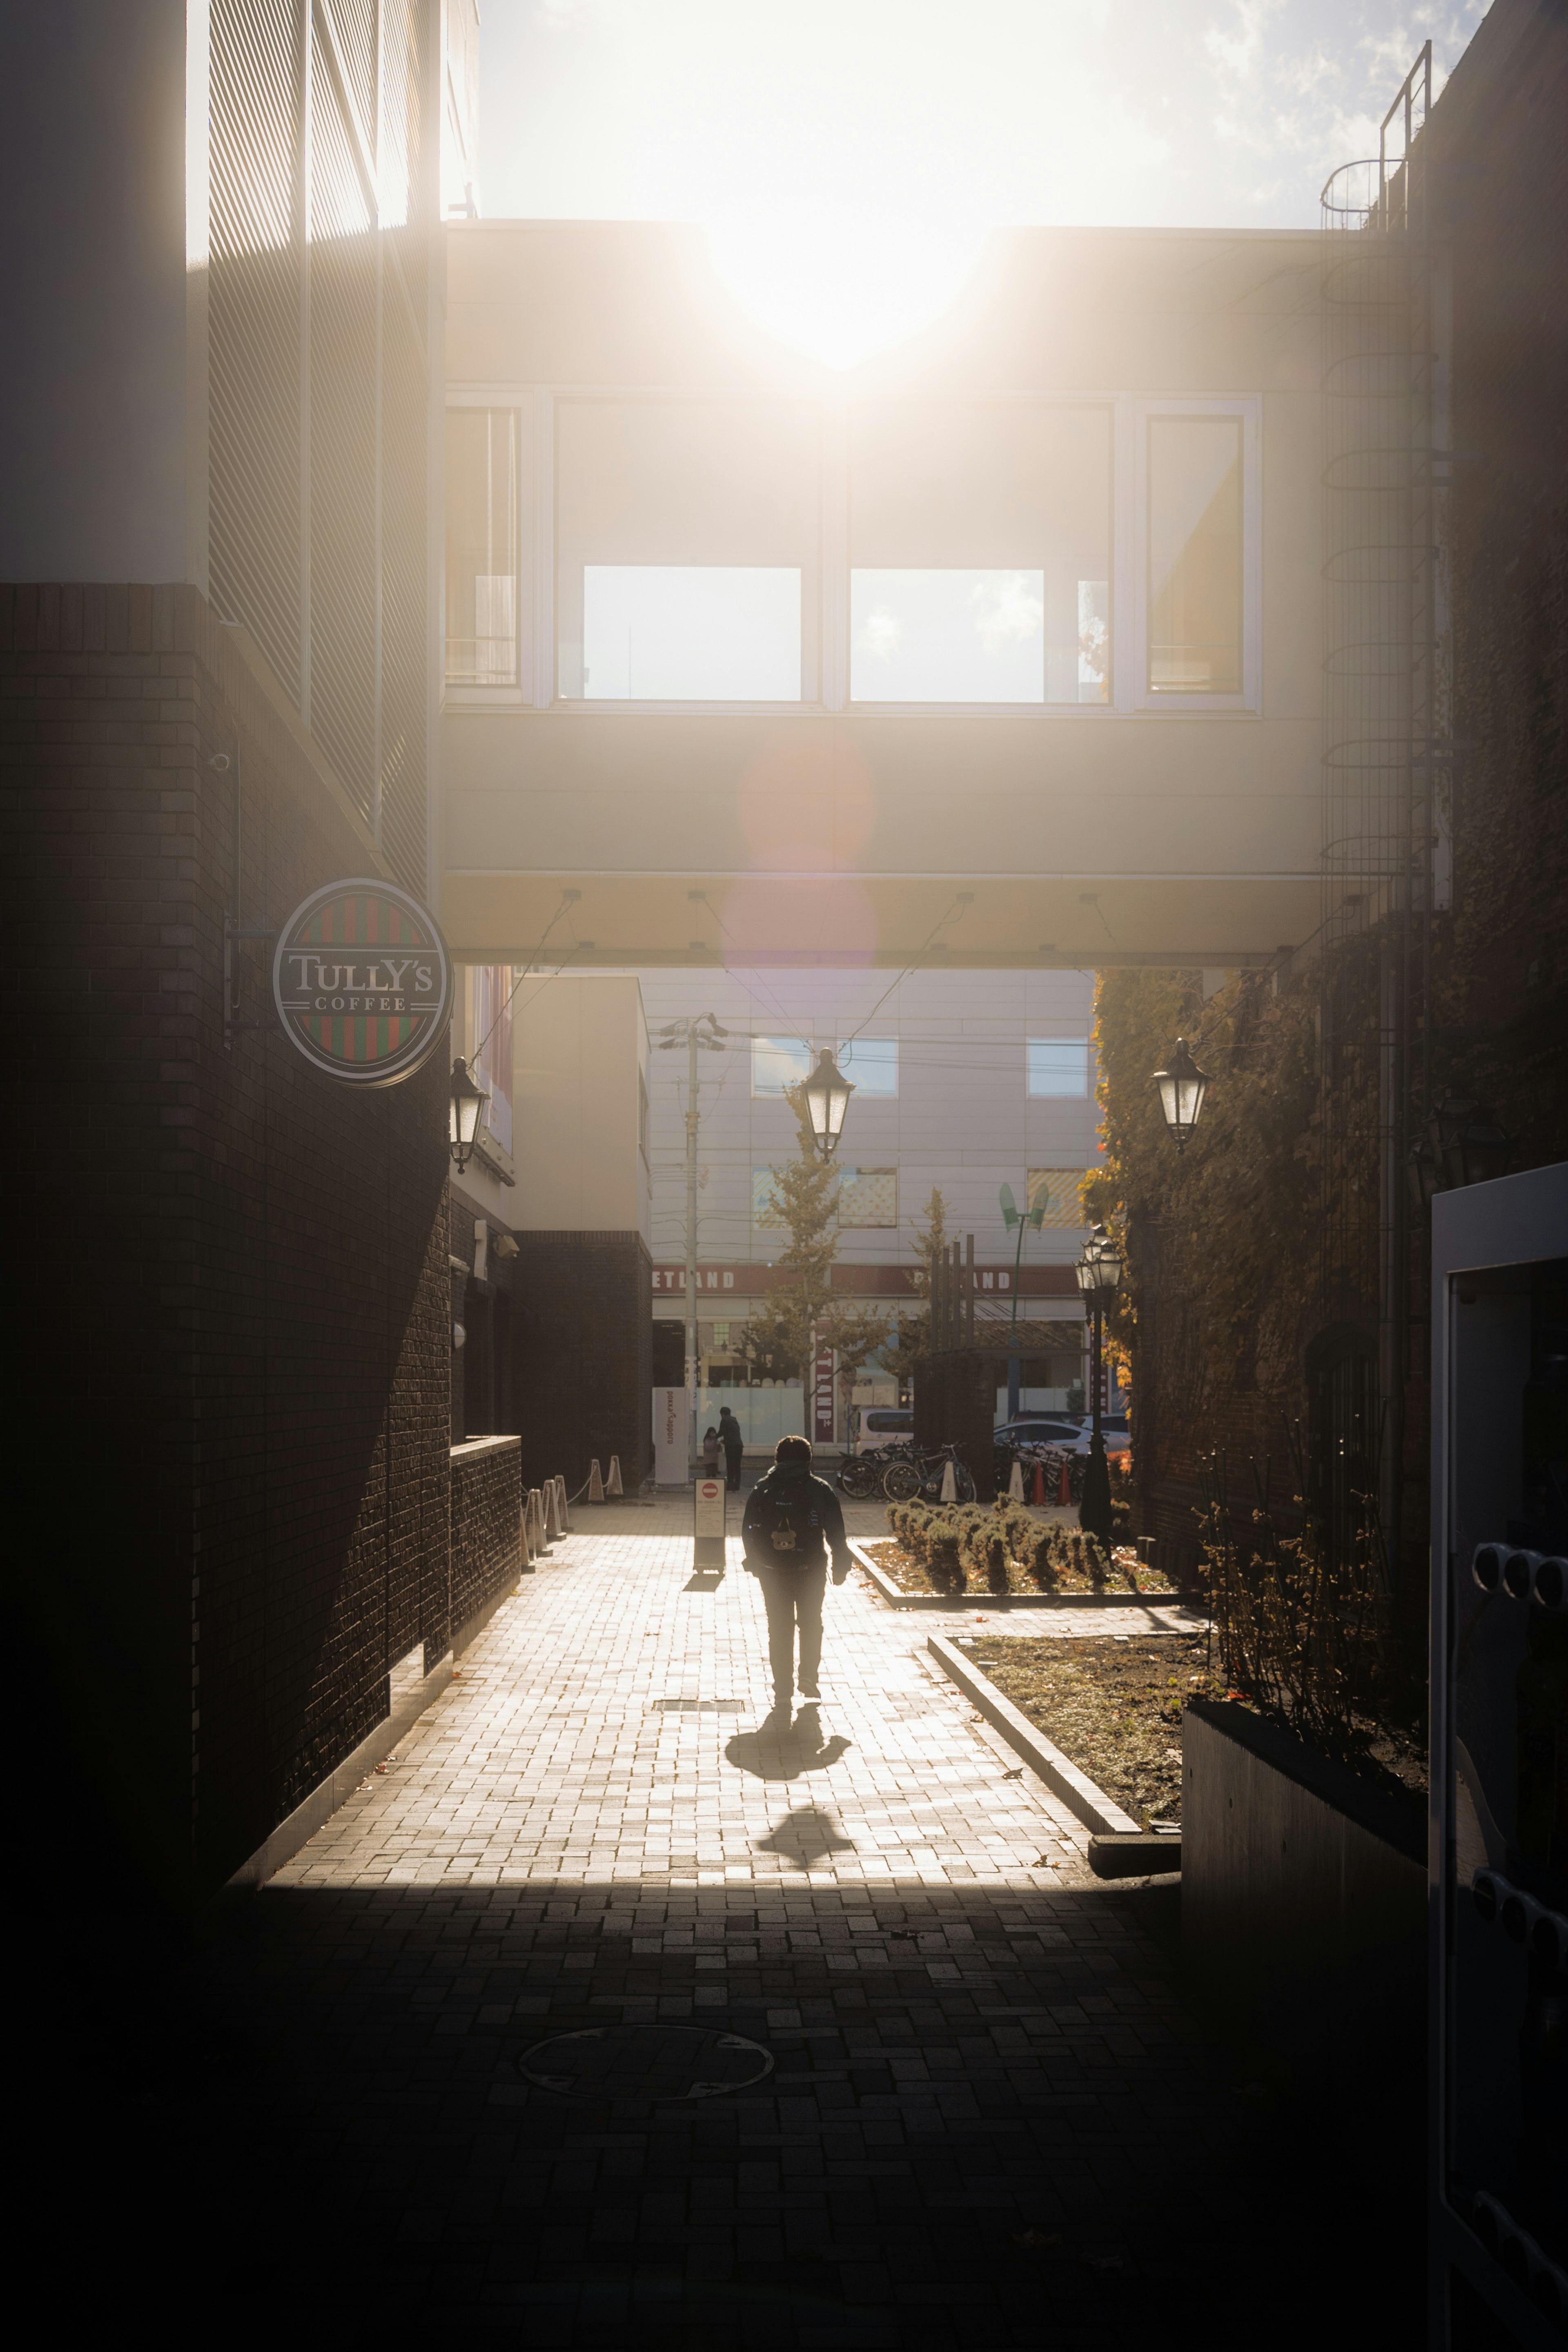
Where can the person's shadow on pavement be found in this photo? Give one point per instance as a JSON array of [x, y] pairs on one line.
[[782, 1751], [803, 1837]]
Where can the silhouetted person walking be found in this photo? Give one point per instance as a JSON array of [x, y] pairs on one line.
[[791, 1524], [733, 1445]]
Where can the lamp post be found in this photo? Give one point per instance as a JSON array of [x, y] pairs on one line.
[[1099, 1273], [1013, 1217], [702, 1034], [464, 1109], [1182, 1087], [828, 1093]]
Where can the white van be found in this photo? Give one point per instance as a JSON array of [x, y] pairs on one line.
[[884, 1424]]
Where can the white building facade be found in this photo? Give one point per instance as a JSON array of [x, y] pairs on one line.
[[966, 1082]]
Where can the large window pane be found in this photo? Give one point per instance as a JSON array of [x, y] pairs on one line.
[[1195, 555], [481, 547], [868, 1196], [948, 637], [980, 553], [690, 633], [777, 1063], [686, 548], [871, 1062], [1058, 1065]]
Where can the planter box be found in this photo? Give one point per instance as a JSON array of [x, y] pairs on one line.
[[1303, 1906], [1084, 1801], [898, 1599]]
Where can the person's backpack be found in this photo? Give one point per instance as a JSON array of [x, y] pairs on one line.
[[786, 1523]]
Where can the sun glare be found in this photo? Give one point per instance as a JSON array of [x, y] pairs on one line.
[[842, 288]]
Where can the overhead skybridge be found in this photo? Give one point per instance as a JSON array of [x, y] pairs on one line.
[[1004, 649]]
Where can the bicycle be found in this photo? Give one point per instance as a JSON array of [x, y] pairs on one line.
[[859, 1477], [922, 1474]]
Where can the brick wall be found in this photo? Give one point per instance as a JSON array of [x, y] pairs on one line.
[[228, 1273], [582, 1326], [487, 1524]]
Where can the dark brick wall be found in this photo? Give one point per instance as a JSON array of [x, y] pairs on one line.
[[486, 1526], [228, 1274], [582, 1326]]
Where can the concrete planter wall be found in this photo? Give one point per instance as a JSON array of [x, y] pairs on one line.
[[1303, 1906]]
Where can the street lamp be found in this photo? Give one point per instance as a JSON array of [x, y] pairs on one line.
[[1099, 1273], [1182, 1086], [463, 1112], [828, 1093]]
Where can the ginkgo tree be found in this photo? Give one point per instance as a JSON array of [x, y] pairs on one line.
[[803, 1312]]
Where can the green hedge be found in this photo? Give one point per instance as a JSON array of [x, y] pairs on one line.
[[968, 1547]]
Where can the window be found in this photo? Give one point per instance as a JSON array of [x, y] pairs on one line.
[[980, 553], [764, 1197], [777, 1063], [1063, 1192], [1195, 555], [481, 547], [1058, 1065], [871, 1064], [948, 637], [690, 633], [687, 534], [868, 1196]]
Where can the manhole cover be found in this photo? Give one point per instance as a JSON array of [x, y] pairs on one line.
[[645, 2061]]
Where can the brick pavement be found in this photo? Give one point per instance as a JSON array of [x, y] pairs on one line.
[[990, 2121]]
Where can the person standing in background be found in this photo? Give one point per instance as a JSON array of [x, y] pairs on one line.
[[733, 1445]]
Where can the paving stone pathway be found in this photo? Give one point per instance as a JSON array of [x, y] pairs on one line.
[[989, 2120]]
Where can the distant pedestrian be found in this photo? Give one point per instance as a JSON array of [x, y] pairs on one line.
[[733, 1445], [710, 1454], [792, 1521]]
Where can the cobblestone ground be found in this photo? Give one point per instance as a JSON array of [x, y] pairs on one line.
[[990, 2121]]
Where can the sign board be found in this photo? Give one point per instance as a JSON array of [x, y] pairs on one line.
[[708, 1523], [361, 982], [822, 1398], [671, 1462]]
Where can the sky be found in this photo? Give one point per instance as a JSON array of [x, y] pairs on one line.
[[868, 146]]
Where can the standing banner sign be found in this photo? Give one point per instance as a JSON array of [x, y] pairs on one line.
[[672, 1464], [361, 982], [708, 1523], [822, 1399]]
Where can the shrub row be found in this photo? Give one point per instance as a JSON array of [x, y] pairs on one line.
[[956, 1541]]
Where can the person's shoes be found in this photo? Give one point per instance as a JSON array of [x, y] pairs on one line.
[[809, 1690]]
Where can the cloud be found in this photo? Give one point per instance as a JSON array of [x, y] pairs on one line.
[[1010, 612]]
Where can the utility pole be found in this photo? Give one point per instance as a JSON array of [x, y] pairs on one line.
[[700, 1035]]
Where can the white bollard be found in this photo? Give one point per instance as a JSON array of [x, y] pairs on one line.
[[565, 1502], [595, 1482], [1015, 1484], [612, 1484], [550, 1501], [949, 1483], [527, 1529]]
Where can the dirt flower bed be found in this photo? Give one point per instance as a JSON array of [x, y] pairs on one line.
[[1114, 1707], [1128, 1573]]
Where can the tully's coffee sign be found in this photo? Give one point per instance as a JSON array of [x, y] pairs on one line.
[[361, 982]]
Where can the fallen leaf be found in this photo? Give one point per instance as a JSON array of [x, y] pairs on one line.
[[1036, 2241]]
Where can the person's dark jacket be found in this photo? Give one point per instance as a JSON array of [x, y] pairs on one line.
[[729, 1435], [792, 1520]]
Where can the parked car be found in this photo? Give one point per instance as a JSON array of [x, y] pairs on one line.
[[1039, 1429], [884, 1424]]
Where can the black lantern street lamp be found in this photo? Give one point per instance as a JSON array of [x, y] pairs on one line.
[[463, 1112], [1099, 1273], [1182, 1087], [828, 1093]]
